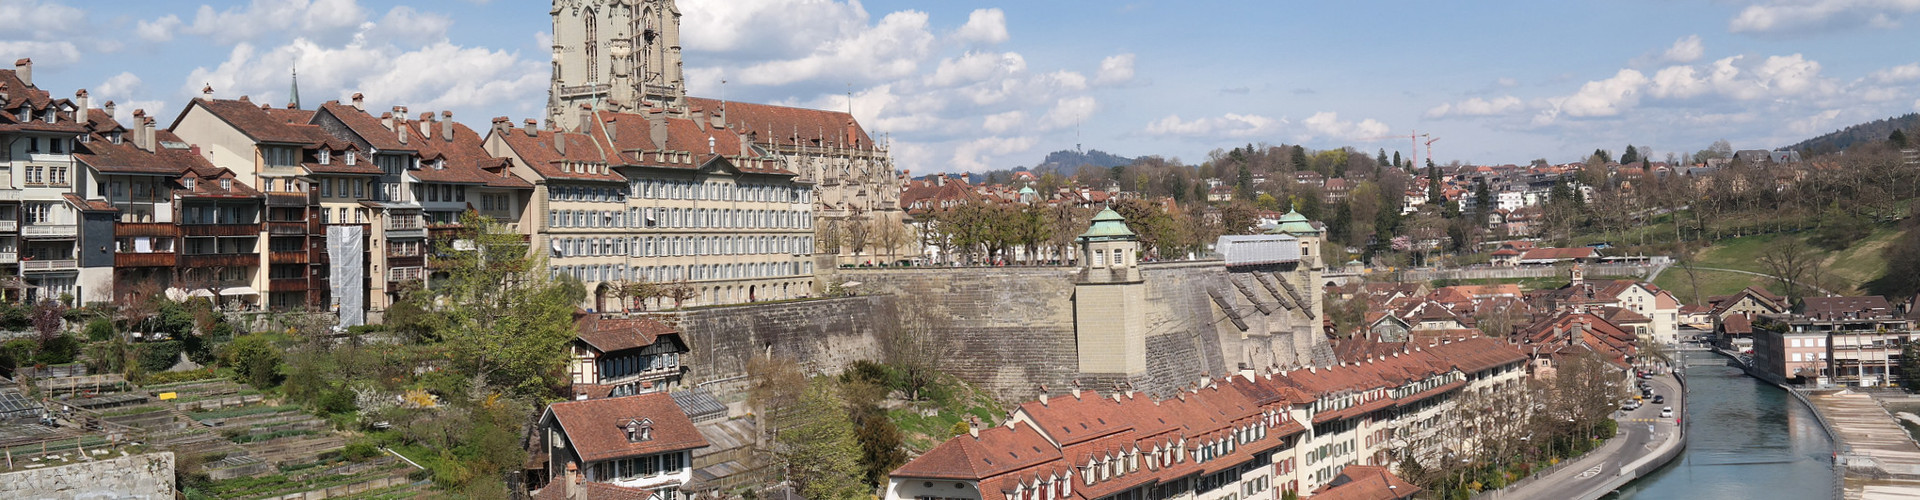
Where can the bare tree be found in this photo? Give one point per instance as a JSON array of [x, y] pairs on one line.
[[917, 349], [679, 292], [857, 234], [1792, 264]]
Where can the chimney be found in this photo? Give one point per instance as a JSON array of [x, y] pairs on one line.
[[560, 142], [426, 124], [399, 122], [108, 108], [612, 128], [359, 101], [700, 118], [206, 92], [573, 481], [146, 135], [80, 99], [532, 127], [386, 119], [446, 125], [139, 128], [720, 117], [501, 124], [23, 69], [657, 128], [586, 118]]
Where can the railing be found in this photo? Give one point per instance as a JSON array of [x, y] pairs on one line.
[[9, 257], [289, 257], [157, 229], [243, 229], [287, 284], [287, 228], [220, 260], [50, 265], [418, 232], [292, 199], [8, 226], [50, 231], [155, 259]]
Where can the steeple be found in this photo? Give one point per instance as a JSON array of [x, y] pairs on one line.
[[295, 102]]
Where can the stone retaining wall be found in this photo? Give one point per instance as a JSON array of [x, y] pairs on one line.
[[137, 477]]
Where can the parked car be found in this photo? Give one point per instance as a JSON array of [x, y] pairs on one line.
[[1658, 399], [1666, 412]]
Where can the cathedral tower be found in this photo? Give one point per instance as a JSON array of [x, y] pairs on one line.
[[615, 55]]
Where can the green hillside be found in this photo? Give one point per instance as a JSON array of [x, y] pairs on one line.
[[1846, 271]]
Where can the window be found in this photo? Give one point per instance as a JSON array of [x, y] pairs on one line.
[[359, 189], [57, 145], [39, 213], [326, 188]]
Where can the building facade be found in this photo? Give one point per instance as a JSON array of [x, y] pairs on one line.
[[624, 56]]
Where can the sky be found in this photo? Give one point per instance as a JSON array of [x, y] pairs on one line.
[[979, 85]]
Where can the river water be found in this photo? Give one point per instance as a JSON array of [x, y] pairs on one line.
[[1749, 439]]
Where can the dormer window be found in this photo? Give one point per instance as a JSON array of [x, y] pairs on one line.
[[326, 156], [226, 184], [352, 157], [440, 164], [639, 430], [188, 182]]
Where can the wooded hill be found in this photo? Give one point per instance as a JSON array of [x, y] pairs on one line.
[[1877, 130]]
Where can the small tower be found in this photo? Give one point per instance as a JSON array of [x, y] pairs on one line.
[[1310, 237], [1109, 299]]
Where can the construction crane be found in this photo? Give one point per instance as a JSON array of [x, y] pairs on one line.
[[1430, 149], [1413, 143]]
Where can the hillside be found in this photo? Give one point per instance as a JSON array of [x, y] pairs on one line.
[[1066, 161], [1876, 130]]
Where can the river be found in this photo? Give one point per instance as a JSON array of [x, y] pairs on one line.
[[1748, 439]]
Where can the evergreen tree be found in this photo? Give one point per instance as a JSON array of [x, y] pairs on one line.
[[1382, 159], [1396, 159], [1898, 138], [1243, 184], [1482, 202], [1434, 196], [1299, 158], [1603, 155], [1632, 155]]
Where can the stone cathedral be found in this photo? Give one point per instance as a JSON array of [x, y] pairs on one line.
[[624, 56]]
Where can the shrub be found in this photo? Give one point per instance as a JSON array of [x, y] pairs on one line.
[[360, 449], [58, 350], [159, 356], [99, 330], [255, 359]]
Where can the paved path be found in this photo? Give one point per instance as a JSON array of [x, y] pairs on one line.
[[1641, 431], [1870, 431]]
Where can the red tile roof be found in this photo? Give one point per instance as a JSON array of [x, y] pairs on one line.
[[615, 334], [788, 126], [1363, 482], [597, 427], [259, 124]]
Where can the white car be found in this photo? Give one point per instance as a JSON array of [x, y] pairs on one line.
[[1666, 412]]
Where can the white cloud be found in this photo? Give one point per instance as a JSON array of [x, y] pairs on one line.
[[1328, 124], [1229, 125], [1114, 70], [315, 19], [1508, 82], [986, 26], [974, 67], [972, 155], [50, 33], [158, 30], [1817, 123], [43, 52], [1789, 17], [1897, 74], [1684, 50], [1069, 112], [1478, 107], [891, 49], [1001, 123], [1741, 79], [1598, 98]]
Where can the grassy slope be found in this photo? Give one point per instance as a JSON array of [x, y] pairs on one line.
[[1847, 270]]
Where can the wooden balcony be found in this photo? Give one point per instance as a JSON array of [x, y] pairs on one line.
[[220, 260], [318, 256], [152, 229], [293, 257], [287, 228], [50, 265], [292, 199], [166, 259], [220, 230], [414, 261], [405, 234], [288, 285]]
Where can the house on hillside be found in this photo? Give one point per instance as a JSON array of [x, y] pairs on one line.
[[636, 446], [615, 357]]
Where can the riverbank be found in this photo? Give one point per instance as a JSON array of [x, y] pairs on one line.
[[1874, 456], [1632, 453]]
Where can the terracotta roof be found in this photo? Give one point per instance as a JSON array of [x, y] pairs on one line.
[[259, 124], [997, 450], [616, 334], [1863, 307], [86, 205], [590, 491], [596, 427], [367, 127], [1559, 254], [465, 158], [788, 125], [1363, 482], [1736, 324], [15, 93]]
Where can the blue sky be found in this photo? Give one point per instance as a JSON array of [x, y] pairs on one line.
[[968, 86]]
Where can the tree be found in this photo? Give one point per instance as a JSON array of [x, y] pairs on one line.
[[1602, 155], [1382, 158], [679, 292], [255, 359], [816, 443], [857, 233], [1898, 138], [503, 321], [1396, 159], [1793, 264], [1482, 202], [1632, 155], [49, 319]]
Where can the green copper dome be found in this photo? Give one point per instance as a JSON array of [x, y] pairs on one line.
[[1028, 190], [1295, 224], [1108, 225]]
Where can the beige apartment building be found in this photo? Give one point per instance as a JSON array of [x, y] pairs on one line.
[[624, 56], [662, 198]]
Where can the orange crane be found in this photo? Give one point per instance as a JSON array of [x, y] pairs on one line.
[[1413, 143]]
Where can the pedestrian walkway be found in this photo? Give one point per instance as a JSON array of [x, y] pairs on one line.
[[1646, 420], [1876, 439]]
